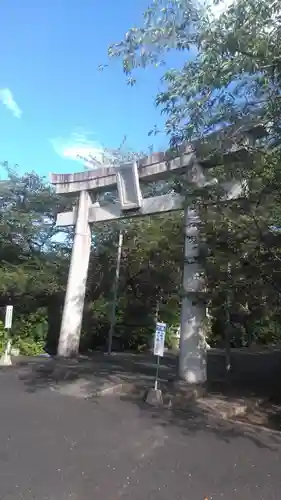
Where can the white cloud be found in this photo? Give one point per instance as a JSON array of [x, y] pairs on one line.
[[216, 9], [6, 97], [80, 147], [220, 7]]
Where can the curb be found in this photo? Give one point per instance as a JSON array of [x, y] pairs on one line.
[[106, 391], [82, 392], [234, 409], [126, 388], [81, 388]]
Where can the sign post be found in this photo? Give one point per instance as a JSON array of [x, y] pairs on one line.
[[9, 317], [159, 347], [5, 359], [115, 291]]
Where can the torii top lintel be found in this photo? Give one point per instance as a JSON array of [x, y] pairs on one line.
[[152, 167]]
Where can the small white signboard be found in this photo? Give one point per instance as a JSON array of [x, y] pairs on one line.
[[159, 339], [9, 317]]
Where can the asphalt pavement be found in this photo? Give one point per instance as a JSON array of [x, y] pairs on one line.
[[58, 447]]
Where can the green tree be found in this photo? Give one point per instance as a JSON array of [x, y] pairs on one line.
[[150, 269], [33, 255], [230, 82]]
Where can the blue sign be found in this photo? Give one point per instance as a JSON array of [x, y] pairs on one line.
[[159, 339]]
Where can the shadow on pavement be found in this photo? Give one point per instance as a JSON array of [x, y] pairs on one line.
[[87, 377], [194, 420], [95, 373]]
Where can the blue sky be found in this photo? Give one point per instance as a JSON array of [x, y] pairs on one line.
[[52, 97]]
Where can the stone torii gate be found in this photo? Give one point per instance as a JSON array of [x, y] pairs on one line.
[[129, 178]]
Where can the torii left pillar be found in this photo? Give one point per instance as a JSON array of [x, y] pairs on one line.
[[77, 280]]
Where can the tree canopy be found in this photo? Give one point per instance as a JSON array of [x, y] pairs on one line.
[[35, 260], [231, 76], [232, 66]]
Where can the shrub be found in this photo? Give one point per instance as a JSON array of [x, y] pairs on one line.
[[28, 347], [29, 333], [171, 340], [2, 337]]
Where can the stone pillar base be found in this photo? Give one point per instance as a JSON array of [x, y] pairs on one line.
[[154, 397]]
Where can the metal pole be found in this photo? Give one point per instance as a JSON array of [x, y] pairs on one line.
[[158, 358], [227, 331], [228, 305], [115, 290], [157, 373], [157, 311]]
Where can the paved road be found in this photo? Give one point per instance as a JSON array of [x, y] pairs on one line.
[[55, 447]]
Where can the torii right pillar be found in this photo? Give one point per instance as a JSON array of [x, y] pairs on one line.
[[192, 355]]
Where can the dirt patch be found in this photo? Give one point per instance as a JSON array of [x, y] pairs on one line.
[[266, 414], [229, 401], [249, 408]]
